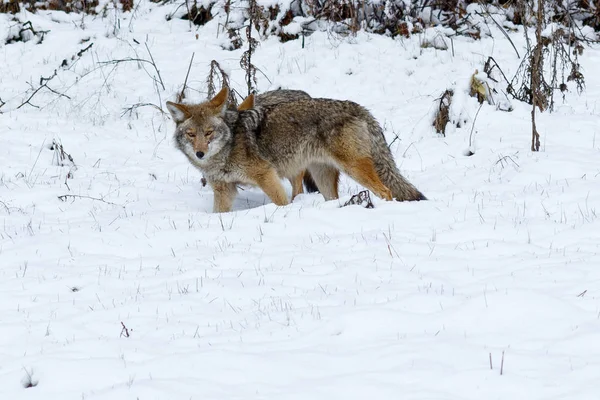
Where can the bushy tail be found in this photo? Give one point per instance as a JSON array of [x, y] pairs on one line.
[[402, 190]]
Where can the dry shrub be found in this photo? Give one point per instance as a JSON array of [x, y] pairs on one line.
[[362, 199], [389, 17], [61, 157], [217, 73], [443, 113], [478, 89], [333, 10], [235, 40], [126, 5], [271, 20], [10, 6], [68, 6], [285, 21], [198, 15], [437, 42], [24, 32], [403, 30]]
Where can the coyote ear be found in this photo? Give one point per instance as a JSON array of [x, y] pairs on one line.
[[247, 104], [219, 102], [179, 112]]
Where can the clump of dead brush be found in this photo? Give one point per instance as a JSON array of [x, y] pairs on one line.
[[215, 73], [442, 116]]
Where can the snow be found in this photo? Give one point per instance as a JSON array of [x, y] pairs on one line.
[[308, 301]]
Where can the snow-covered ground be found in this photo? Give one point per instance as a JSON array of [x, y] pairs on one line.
[[421, 300]]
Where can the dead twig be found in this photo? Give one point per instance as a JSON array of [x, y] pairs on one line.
[[141, 61], [181, 94], [499, 26], [124, 330], [9, 209], [64, 197], [396, 137], [502, 160], [362, 199], [154, 65], [128, 59], [134, 107], [473, 126], [390, 247], [488, 68], [43, 84], [29, 381], [60, 155], [45, 81]]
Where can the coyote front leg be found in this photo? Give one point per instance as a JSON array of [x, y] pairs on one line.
[[225, 193], [270, 183]]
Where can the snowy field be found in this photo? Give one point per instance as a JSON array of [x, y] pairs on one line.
[[135, 290]]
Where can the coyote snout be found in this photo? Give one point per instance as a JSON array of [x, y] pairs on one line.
[[195, 143]]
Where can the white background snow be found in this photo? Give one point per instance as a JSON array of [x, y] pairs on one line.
[[310, 301]]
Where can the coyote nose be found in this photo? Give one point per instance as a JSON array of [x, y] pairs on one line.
[[199, 154]]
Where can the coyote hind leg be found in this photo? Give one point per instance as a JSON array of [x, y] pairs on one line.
[[326, 178], [362, 170]]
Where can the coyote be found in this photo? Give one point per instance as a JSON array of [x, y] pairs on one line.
[[265, 143]]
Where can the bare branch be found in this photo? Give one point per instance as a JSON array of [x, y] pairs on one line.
[[499, 26], [64, 197], [154, 65], [45, 81], [181, 94], [140, 60], [134, 107], [473, 126]]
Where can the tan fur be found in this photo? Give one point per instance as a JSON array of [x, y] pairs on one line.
[[363, 171], [297, 184], [267, 179], [261, 145]]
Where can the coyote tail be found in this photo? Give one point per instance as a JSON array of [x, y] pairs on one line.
[[402, 190]]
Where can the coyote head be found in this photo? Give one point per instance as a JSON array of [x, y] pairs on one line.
[[201, 131]]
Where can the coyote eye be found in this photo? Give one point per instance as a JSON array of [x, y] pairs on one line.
[[190, 132], [208, 133]]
